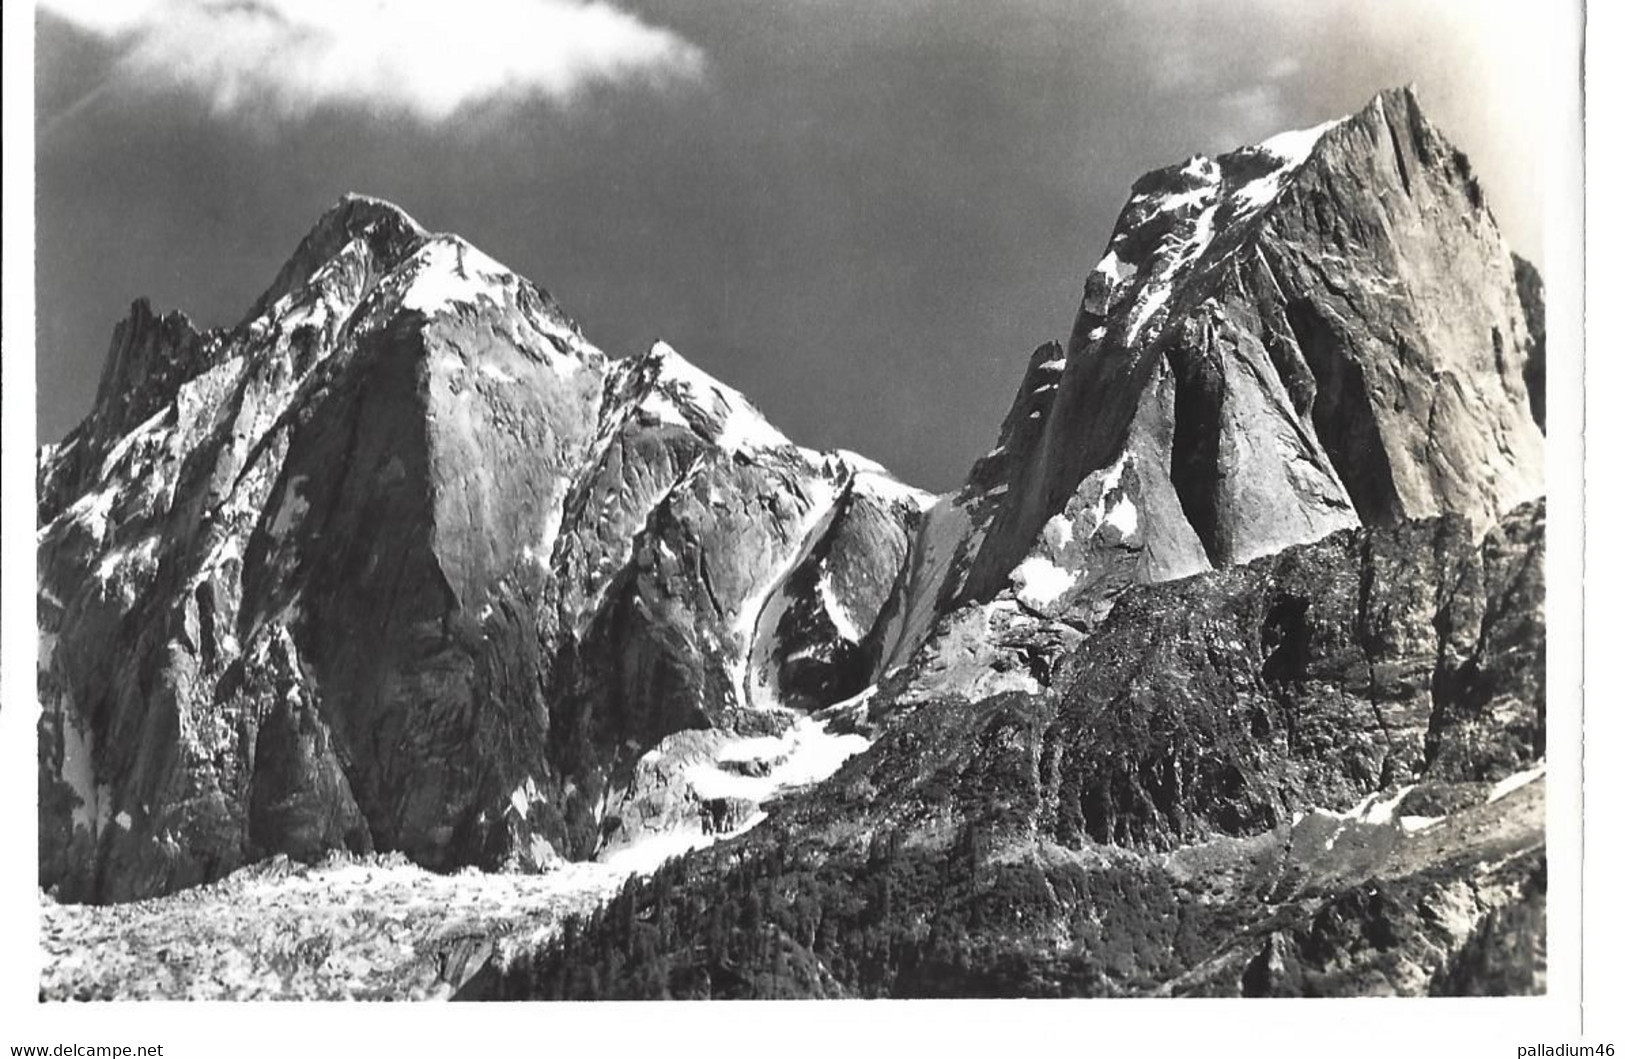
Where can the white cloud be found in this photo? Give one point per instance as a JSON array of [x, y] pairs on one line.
[[282, 59]]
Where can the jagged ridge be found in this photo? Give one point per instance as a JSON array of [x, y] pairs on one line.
[[403, 562], [1322, 331], [1318, 332]]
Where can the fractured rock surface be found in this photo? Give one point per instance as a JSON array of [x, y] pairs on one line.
[[402, 562], [1322, 331], [1234, 787], [1223, 674]]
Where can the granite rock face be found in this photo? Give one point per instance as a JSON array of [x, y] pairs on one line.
[[403, 562], [1223, 674], [1323, 331], [1290, 778], [1318, 676], [1319, 332]]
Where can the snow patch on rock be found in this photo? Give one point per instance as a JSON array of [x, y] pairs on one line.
[[1039, 581], [1112, 479], [1292, 149], [448, 270], [744, 428], [1187, 240], [139, 557], [874, 480], [685, 395], [747, 772], [93, 511], [1372, 809], [805, 754], [79, 772], [851, 704], [1058, 531], [1055, 564], [839, 616], [1518, 779], [122, 449], [884, 487], [663, 409], [1123, 516], [523, 796], [1294, 146]]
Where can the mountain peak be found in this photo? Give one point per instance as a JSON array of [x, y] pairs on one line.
[[389, 233], [356, 215], [1182, 219], [1176, 215], [1345, 284], [675, 391], [366, 261], [410, 453], [360, 202]]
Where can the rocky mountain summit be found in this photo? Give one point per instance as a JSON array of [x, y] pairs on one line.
[[1323, 331], [1223, 672], [402, 562]]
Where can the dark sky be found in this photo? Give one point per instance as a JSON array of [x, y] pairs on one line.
[[862, 213]]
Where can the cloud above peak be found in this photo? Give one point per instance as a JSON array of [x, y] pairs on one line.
[[285, 59]]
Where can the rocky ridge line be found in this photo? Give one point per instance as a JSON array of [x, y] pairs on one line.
[[403, 562]]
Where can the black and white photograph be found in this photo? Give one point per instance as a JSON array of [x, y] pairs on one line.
[[894, 503]]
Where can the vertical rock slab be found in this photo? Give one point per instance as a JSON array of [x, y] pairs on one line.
[[1321, 331]]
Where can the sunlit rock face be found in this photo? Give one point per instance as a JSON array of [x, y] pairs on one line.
[[1228, 654], [1319, 332], [1322, 331], [403, 562]]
